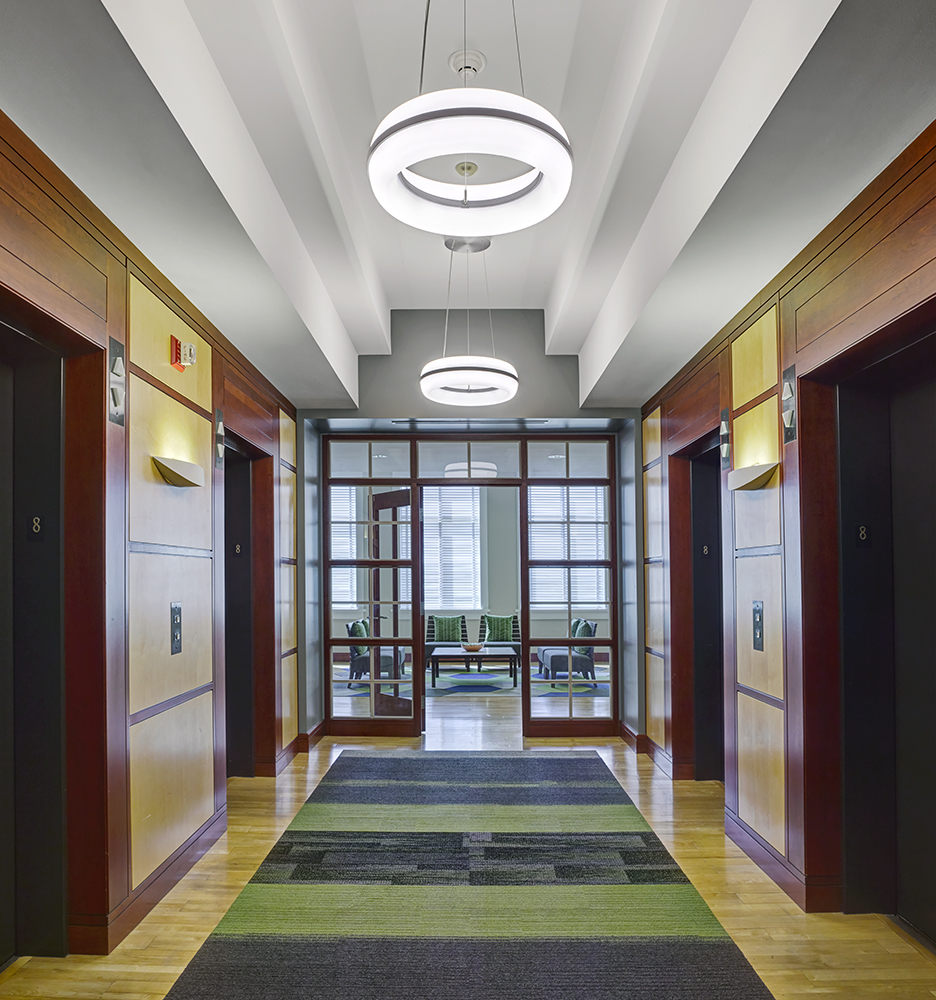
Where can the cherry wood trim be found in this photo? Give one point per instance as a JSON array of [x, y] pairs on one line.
[[143, 374], [758, 550], [918, 156], [756, 401], [401, 727], [159, 549], [87, 602], [572, 727], [814, 895], [637, 741], [163, 706], [767, 699], [266, 658], [305, 741], [26, 156], [99, 934], [289, 652]]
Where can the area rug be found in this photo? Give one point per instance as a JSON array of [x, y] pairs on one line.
[[448, 876]]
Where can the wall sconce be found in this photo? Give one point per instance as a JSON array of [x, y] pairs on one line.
[[179, 473], [751, 477], [788, 404]]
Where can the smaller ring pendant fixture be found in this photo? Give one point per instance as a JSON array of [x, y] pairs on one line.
[[451, 122], [469, 381]]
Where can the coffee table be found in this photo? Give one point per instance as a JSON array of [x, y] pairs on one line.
[[449, 653]]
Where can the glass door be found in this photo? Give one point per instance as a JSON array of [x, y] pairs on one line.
[[569, 593], [371, 645]]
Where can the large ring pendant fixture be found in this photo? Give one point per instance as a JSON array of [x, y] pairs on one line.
[[466, 122], [469, 381]]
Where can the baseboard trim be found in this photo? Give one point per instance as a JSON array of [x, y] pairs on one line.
[[636, 741], [660, 757], [305, 741], [812, 894], [270, 767], [99, 934]]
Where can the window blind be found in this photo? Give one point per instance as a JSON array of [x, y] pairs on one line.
[[568, 522], [452, 547], [343, 506]]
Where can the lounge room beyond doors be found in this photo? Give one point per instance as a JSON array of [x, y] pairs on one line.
[[514, 627]]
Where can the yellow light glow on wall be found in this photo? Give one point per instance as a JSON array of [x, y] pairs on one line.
[[756, 435]]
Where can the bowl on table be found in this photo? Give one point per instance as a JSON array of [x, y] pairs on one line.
[[472, 647]]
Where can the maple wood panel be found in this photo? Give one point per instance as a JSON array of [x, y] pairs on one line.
[[152, 324], [653, 511], [759, 578], [656, 605], [287, 597], [288, 488], [757, 515], [756, 435], [656, 699], [171, 781], [289, 688], [651, 437], [754, 359], [156, 581], [161, 426], [761, 770], [287, 439]]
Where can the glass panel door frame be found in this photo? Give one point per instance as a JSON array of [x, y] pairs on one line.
[[415, 643]]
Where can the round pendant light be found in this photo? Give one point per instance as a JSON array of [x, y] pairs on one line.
[[463, 122], [477, 470], [469, 381]]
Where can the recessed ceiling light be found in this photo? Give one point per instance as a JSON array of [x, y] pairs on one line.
[[380, 456], [555, 456]]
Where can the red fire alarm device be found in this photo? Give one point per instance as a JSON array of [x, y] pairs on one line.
[[181, 355], [175, 354]]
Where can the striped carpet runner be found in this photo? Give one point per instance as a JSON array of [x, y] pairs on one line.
[[442, 875]]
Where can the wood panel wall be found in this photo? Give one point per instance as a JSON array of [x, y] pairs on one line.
[[145, 728], [865, 287]]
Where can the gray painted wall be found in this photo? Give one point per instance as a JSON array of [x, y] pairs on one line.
[[502, 565], [309, 588], [389, 383]]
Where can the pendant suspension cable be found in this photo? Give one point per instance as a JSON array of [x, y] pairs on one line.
[[468, 301], [487, 292], [465, 41], [448, 297], [422, 64], [513, 7]]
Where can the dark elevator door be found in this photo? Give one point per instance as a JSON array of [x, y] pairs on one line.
[[708, 669], [887, 481], [238, 617], [7, 823]]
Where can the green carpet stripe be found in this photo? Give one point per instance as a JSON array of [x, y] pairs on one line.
[[581, 911], [469, 818]]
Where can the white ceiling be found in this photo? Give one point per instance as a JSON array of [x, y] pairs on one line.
[[712, 138]]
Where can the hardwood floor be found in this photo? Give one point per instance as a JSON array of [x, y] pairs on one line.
[[798, 955]]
